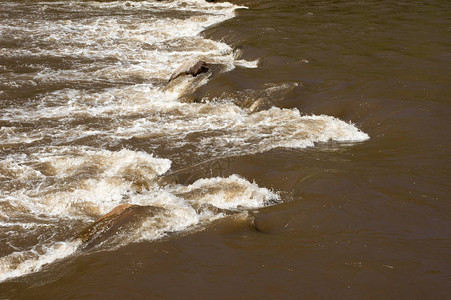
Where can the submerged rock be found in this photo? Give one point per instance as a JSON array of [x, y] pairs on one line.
[[190, 90], [261, 104], [190, 67], [217, 167], [113, 222]]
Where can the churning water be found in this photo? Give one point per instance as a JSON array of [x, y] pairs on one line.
[[259, 177], [80, 81]]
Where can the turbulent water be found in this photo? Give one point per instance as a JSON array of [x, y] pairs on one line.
[[88, 121], [94, 76]]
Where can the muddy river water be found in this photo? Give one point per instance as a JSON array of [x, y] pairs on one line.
[[311, 161]]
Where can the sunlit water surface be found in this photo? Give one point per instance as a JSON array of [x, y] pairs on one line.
[[312, 159]]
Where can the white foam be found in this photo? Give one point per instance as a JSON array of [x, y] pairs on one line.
[[178, 201], [135, 54], [247, 64], [228, 193], [181, 201], [88, 182], [25, 262]]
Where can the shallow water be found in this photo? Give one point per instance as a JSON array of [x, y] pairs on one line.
[[312, 160]]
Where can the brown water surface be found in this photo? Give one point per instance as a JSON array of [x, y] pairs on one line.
[[356, 220]]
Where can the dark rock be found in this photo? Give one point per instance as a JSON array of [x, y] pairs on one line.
[[190, 67], [274, 219], [113, 222], [194, 91]]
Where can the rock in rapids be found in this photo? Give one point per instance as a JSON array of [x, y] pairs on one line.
[[119, 219], [190, 67]]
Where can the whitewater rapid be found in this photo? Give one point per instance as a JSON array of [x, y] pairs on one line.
[[66, 157]]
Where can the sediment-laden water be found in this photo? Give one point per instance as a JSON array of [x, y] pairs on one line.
[[310, 160]]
